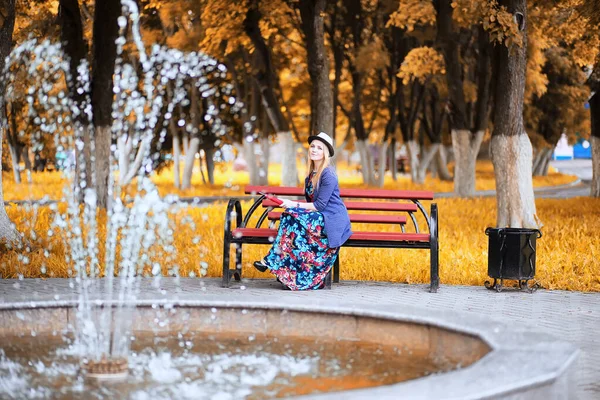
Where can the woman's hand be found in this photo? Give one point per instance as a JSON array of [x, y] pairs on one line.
[[288, 203]]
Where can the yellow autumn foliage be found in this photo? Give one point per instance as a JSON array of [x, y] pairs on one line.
[[228, 182], [566, 259], [421, 63], [566, 255]]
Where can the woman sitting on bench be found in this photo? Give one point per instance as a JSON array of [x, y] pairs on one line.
[[310, 234]]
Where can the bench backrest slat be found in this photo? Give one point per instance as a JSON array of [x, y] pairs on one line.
[[347, 193], [359, 218], [364, 206]]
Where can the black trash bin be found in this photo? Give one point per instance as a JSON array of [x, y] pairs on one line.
[[511, 255]]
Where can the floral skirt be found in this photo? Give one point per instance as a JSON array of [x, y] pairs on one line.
[[300, 257]]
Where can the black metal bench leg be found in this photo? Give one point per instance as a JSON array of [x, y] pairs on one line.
[[237, 274], [226, 247], [336, 269], [434, 251], [328, 280]]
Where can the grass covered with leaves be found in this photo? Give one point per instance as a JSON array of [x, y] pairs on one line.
[[231, 183], [566, 259]]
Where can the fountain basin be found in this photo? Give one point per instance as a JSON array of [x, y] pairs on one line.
[[477, 358]]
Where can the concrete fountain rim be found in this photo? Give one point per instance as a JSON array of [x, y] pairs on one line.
[[522, 360]]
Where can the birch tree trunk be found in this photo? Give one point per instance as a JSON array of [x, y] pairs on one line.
[[425, 162], [595, 142], [268, 81], [188, 167], [510, 147], [412, 148], [263, 172], [442, 164], [382, 151], [176, 153], [251, 161], [366, 162], [466, 138], [14, 157], [541, 162], [7, 24], [466, 147], [289, 171]]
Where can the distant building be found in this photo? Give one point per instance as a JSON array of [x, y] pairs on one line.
[[564, 151]]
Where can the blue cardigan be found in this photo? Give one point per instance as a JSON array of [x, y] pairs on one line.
[[326, 199]]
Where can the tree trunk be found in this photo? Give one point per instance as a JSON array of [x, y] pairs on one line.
[[76, 49], [185, 141], [289, 171], [425, 162], [541, 162], [105, 32], [188, 167], [267, 82], [176, 153], [412, 148], [392, 157], [12, 140], [382, 150], [465, 155], [7, 24], [510, 147], [366, 162], [465, 143], [312, 13], [14, 157], [210, 165], [251, 161], [441, 161], [263, 173], [595, 142]]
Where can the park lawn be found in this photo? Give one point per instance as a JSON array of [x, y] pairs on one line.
[[231, 183], [566, 257]]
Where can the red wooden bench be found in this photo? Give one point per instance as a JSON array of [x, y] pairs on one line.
[[394, 209]]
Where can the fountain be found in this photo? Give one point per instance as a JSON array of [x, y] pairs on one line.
[[129, 336]]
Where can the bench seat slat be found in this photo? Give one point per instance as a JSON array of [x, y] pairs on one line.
[[348, 193], [365, 206], [359, 218], [374, 236]]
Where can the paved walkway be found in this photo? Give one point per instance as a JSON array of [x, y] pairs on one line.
[[572, 316]]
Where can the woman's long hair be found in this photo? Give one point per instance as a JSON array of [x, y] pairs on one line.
[[311, 167]]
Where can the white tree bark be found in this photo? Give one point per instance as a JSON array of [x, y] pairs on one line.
[[7, 230], [541, 162], [15, 163], [263, 171], [188, 167], [102, 146], [413, 148], [366, 162], [176, 157], [186, 143], [442, 164], [512, 158], [382, 151], [425, 161], [595, 187], [249, 149], [465, 154], [124, 147], [289, 170]]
